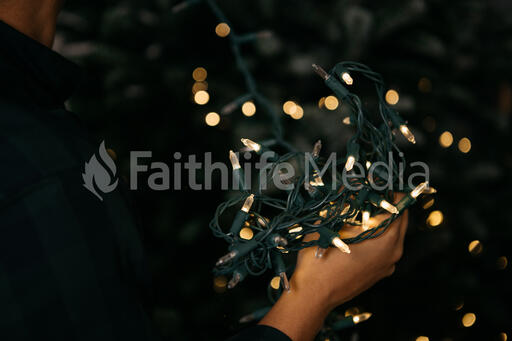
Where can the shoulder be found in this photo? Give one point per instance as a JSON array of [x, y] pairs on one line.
[[36, 144]]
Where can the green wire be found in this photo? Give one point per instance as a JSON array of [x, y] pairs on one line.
[[374, 144]]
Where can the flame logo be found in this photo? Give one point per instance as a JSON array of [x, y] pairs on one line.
[[99, 175]]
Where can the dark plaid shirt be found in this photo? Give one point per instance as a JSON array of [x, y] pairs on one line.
[[71, 266]]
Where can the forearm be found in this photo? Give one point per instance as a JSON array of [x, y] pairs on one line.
[[318, 285], [298, 316]]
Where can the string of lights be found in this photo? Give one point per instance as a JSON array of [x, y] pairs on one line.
[[309, 205], [269, 224], [224, 29]]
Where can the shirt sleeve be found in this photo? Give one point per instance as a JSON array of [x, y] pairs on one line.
[[260, 333]]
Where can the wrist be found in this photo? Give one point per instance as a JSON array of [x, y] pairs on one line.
[[298, 313], [318, 292]]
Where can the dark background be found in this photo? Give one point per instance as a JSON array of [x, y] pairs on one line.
[[139, 57]]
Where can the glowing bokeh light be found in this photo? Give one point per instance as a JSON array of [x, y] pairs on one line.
[[392, 97], [352, 311], [298, 114], [435, 218], [428, 204], [475, 247], [198, 86], [246, 233], [212, 119], [199, 74], [289, 107], [248, 109], [275, 282], [201, 97], [468, 320], [446, 139], [331, 102], [321, 102], [222, 30], [464, 145], [219, 284]]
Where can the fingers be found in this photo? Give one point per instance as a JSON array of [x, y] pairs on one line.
[[395, 236], [311, 236], [399, 226], [314, 235], [404, 222], [404, 219]]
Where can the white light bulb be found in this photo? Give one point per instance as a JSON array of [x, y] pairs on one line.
[[419, 189], [295, 229], [248, 203], [347, 78], [234, 160], [388, 207], [407, 133], [350, 163], [361, 317], [366, 220], [340, 244], [251, 144], [262, 222], [317, 180]]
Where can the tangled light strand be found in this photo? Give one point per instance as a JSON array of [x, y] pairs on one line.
[[310, 203]]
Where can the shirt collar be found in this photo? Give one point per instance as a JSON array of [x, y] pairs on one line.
[[34, 72]]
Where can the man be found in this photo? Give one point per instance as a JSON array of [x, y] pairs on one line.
[[72, 266]]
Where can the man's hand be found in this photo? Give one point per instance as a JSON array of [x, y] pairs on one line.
[[318, 285]]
